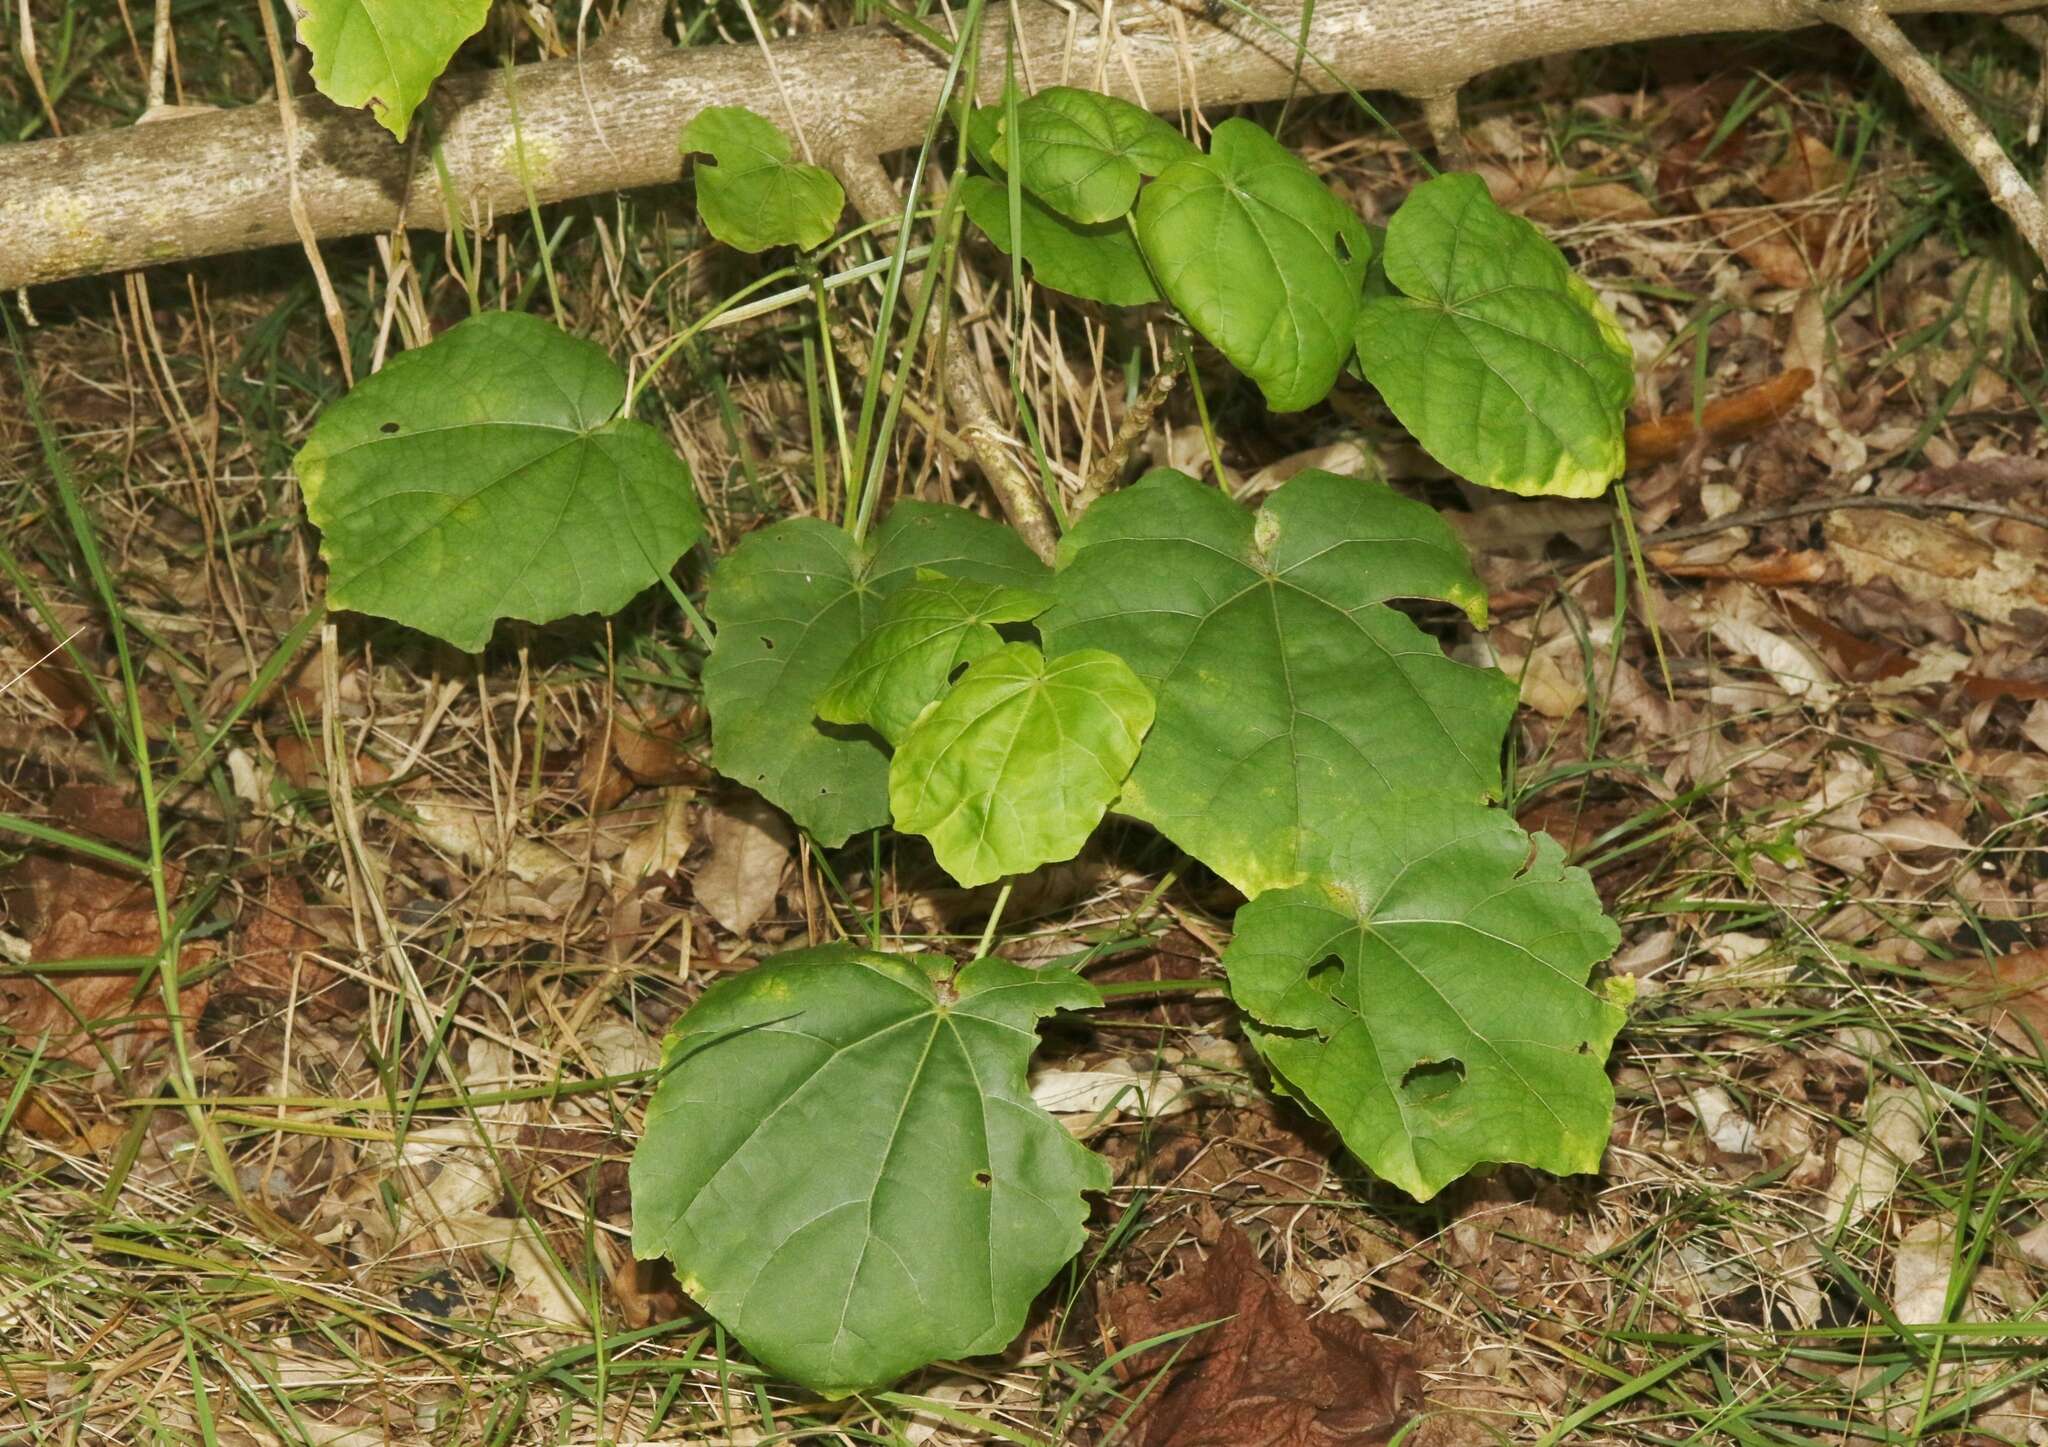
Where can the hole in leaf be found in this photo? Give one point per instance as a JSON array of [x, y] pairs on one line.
[[954, 676], [983, 1179], [1343, 249], [1433, 1079], [768, 643], [1323, 976], [388, 428], [1585, 1047]]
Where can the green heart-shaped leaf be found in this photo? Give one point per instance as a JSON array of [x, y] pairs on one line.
[[1502, 363], [756, 196], [1427, 995], [925, 632], [1262, 258], [1018, 762], [385, 54], [1291, 700], [1099, 262], [1084, 154], [846, 1166], [488, 475], [792, 602]]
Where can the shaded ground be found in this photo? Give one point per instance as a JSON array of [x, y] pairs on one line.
[[1788, 703]]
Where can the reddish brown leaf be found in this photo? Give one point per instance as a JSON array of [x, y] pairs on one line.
[[47, 671], [1856, 659], [276, 939], [1268, 1375], [301, 762], [71, 910], [1722, 421], [657, 754], [1983, 689], [646, 1292], [639, 753]]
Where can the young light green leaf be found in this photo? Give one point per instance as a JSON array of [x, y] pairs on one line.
[[385, 54], [1427, 995], [755, 196], [846, 1166], [1099, 262], [932, 627], [1290, 698], [1084, 154], [1262, 258], [1502, 363], [792, 602], [488, 475], [1020, 760]]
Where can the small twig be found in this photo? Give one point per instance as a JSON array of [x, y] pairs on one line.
[[1663, 537], [1108, 469], [874, 196], [34, 67], [1950, 112], [2034, 30], [1809, 506], [288, 116], [159, 57], [855, 356], [1440, 114]]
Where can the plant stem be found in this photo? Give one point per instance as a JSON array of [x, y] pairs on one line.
[[1109, 468], [874, 195]]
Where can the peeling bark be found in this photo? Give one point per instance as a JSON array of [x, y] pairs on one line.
[[209, 184]]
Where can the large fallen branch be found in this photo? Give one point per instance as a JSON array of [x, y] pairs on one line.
[[209, 184]]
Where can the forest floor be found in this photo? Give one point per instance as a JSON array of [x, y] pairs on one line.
[[1785, 697]]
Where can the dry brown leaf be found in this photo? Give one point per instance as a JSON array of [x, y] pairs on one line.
[[2035, 726], [1544, 191], [1267, 1373], [1937, 561], [1791, 250], [1868, 1167], [1786, 568], [660, 846], [2010, 992], [1922, 1264], [464, 831], [2021, 773], [1741, 623], [750, 847]]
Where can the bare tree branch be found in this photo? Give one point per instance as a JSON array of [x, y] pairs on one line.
[[2034, 30], [204, 185], [1440, 114], [637, 28], [1950, 112]]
